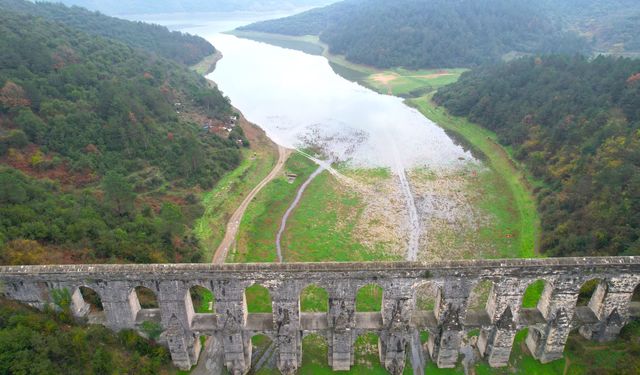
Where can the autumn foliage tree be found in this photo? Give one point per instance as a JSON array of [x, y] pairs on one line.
[[13, 96]]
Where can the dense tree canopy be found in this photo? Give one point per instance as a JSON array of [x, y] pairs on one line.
[[32, 342], [169, 6], [575, 123], [183, 48], [92, 125], [428, 33], [613, 26]]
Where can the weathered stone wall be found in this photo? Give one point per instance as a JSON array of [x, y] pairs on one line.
[[397, 325]]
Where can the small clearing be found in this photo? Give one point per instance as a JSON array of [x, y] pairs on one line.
[[385, 78]]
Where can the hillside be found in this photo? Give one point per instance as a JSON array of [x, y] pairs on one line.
[[613, 26], [34, 342], [575, 123], [428, 33], [169, 6], [182, 48], [102, 150]]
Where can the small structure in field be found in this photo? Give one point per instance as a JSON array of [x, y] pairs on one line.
[[291, 177]]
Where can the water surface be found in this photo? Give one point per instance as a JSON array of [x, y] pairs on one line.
[[301, 102]]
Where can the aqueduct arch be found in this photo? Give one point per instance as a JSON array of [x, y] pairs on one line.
[[398, 325]]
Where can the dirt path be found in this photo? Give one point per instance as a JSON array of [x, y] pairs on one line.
[[234, 222], [285, 218]]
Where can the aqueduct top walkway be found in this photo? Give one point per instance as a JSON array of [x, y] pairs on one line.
[[397, 325]]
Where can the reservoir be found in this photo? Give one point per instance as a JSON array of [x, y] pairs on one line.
[[302, 103]]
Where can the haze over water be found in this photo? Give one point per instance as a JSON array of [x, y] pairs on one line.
[[300, 101]]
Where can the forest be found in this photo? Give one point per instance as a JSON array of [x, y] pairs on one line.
[[96, 164], [430, 33], [116, 7], [174, 45], [33, 342], [575, 123], [611, 26]]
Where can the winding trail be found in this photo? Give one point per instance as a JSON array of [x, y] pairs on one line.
[[234, 222], [283, 225]]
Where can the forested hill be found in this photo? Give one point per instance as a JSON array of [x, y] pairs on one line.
[[429, 33], [96, 164], [575, 123], [168, 6], [613, 26], [180, 47]]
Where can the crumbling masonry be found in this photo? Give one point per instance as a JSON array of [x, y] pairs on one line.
[[397, 325]]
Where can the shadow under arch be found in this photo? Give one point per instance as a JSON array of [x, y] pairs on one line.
[[635, 297], [202, 299], [313, 298], [147, 298], [587, 290], [263, 352], [258, 299], [87, 303], [92, 298], [369, 298]]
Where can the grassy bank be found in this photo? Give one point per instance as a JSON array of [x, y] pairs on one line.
[[509, 178], [228, 194], [259, 226], [398, 81], [208, 64]]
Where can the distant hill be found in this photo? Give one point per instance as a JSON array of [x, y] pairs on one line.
[[170, 6], [96, 163], [612, 25], [429, 33], [180, 47], [575, 124]]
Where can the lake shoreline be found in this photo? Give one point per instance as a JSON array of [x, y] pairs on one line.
[[513, 175]]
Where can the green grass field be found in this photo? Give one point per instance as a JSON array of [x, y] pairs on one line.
[[411, 83], [321, 228]]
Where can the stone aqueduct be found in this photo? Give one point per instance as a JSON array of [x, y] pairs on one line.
[[397, 325]]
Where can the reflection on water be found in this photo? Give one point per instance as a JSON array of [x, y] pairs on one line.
[[300, 101]]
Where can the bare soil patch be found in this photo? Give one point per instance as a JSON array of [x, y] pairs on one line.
[[385, 78], [449, 220]]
